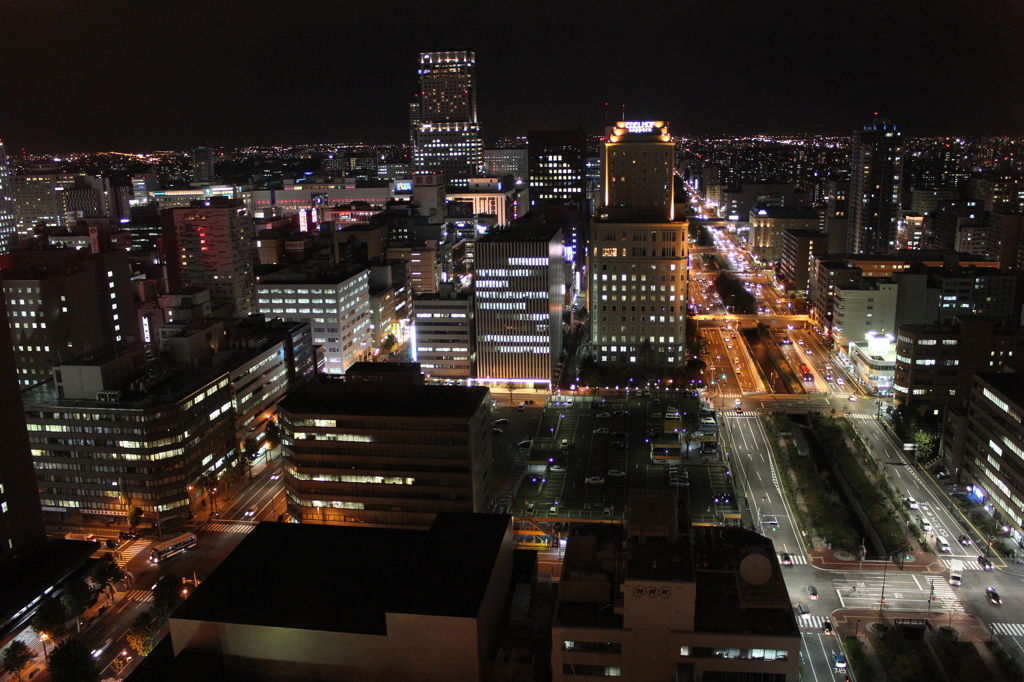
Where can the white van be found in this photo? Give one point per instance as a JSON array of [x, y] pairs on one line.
[[942, 544], [956, 573]]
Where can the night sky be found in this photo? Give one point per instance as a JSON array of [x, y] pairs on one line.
[[149, 74]]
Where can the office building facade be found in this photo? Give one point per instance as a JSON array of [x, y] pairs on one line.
[[876, 176], [209, 246], [637, 164], [520, 294], [8, 222], [63, 304], [447, 138], [799, 249], [21, 517], [382, 449], [337, 308], [443, 335]]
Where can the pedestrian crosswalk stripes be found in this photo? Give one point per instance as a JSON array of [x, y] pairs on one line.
[[815, 622], [228, 527], [1015, 629], [129, 552], [967, 565], [139, 595]]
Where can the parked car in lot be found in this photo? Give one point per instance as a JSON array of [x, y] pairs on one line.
[[619, 434], [621, 413], [601, 431], [595, 480], [618, 445], [497, 432], [525, 443], [605, 415], [615, 473], [499, 422], [557, 467], [656, 415]]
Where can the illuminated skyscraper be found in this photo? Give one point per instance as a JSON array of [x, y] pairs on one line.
[[202, 164], [876, 173], [520, 293], [637, 165], [8, 225], [21, 518], [638, 252], [208, 247], [447, 137]]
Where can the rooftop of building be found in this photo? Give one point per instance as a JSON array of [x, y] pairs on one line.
[[631, 216], [172, 387], [286, 275], [715, 559], [962, 325], [784, 212], [347, 579], [805, 233], [534, 232], [333, 396], [1008, 384]]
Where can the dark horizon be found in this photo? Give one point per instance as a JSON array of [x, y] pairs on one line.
[[141, 77]]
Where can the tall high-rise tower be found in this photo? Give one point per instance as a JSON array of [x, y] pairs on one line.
[[637, 167], [8, 226], [447, 138], [202, 164], [21, 517], [876, 173], [208, 247], [638, 252]]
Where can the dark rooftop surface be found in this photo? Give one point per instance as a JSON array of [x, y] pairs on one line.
[[450, 572], [1007, 383], [346, 579], [178, 384], [290, 575], [533, 233], [332, 396], [26, 577], [725, 602]]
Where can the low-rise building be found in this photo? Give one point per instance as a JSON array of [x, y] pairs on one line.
[[360, 604], [660, 600], [382, 449]]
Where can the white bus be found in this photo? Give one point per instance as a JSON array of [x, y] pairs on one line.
[[169, 548]]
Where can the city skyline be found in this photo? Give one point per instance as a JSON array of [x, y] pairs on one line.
[[264, 77]]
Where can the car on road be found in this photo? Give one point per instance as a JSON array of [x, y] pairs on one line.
[[786, 560], [618, 445], [803, 611], [602, 430], [985, 563], [595, 480], [739, 410], [826, 628], [100, 649], [499, 422], [839, 380], [276, 476], [965, 540], [127, 535], [738, 401], [251, 511], [911, 503], [812, 592], [497, 432], [926, 526], [992, 595], [605, 415], [615, 473], [838, 659], [853, 398]]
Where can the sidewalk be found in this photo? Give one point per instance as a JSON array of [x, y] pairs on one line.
[[838, 560], [856, 622]]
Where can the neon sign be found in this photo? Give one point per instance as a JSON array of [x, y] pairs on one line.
[[639, 126]]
